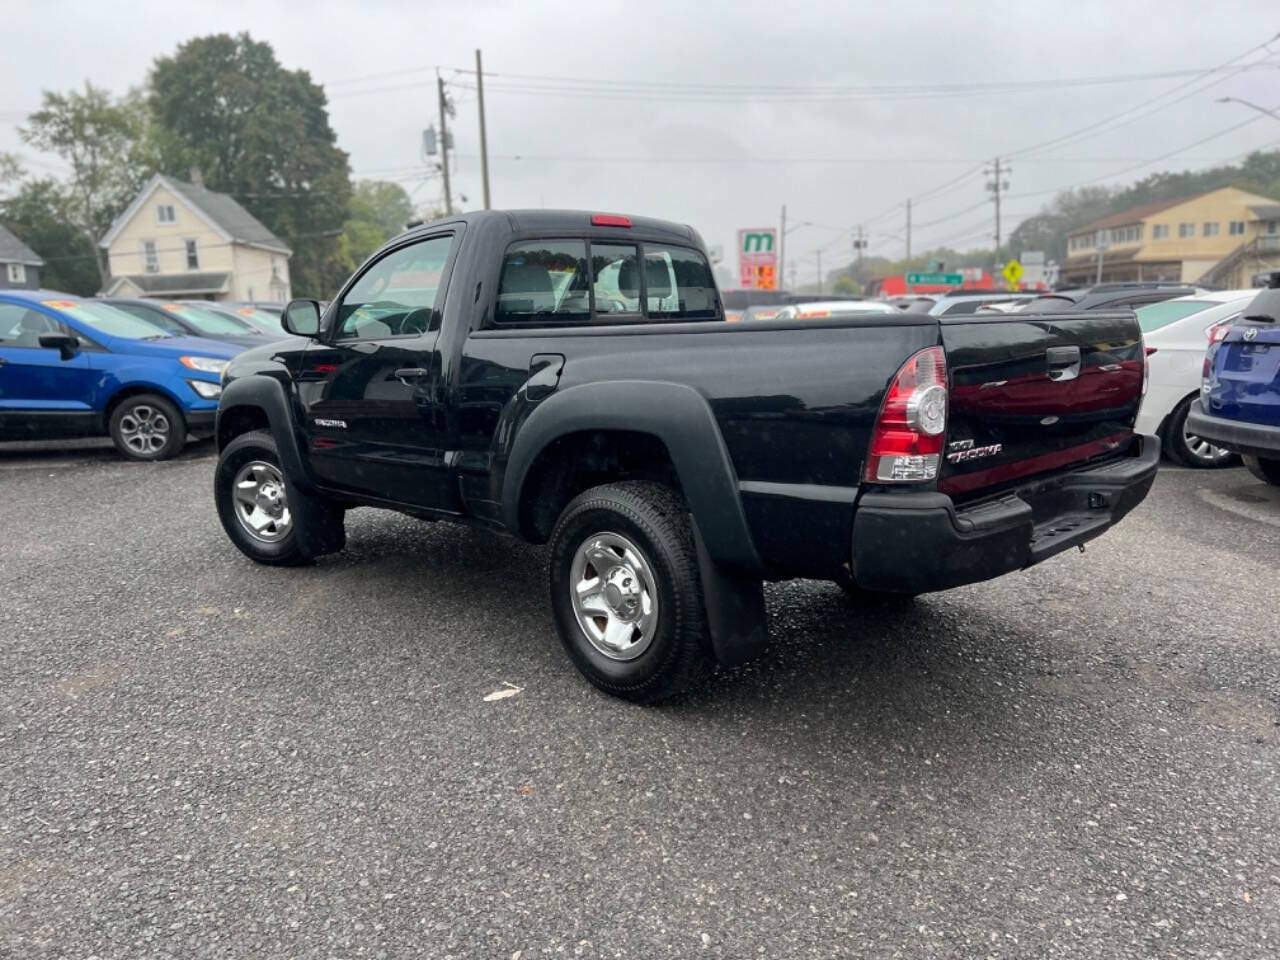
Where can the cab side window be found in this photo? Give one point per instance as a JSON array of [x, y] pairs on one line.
[[678, 284], [544, 281], [397, 296]]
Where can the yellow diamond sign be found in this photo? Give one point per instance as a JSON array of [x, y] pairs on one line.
[[1012, 273]]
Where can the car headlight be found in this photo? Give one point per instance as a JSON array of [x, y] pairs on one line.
[[204, 364], [206, 389]]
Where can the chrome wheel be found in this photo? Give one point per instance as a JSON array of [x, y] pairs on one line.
[[614, 596], [145, 429], [1201, 449], [260, 504]]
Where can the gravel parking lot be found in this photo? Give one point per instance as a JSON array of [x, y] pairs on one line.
[[204, 758]]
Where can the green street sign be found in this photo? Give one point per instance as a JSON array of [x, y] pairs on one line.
[[936, 279]]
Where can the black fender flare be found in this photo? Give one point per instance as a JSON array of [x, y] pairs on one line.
[[676, 414], [679, 416], [268, 395]]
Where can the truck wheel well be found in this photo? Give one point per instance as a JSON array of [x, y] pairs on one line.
[[238, 420], [578, 461]]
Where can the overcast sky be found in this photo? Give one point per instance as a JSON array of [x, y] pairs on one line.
[[717, 113]]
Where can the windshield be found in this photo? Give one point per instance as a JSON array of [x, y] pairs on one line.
[[263, 320], [107, 319], [211, 323], [1156, 315]]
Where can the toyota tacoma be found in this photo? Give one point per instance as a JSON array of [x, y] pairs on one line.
[[570, 379]]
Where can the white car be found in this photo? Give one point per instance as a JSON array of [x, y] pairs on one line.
[[833, 308], [1176, 333]]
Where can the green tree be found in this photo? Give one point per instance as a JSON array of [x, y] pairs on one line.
[[846, 286], [100, 139], [378, 211], [36, 214], [260, 133]]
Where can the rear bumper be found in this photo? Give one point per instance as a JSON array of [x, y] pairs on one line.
[[917, 542], [1238, 436]]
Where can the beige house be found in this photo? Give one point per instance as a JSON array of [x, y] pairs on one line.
[[1222, 237], [181, 240]]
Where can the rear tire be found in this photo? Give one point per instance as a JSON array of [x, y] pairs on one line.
[[147, 427], [267, 518], [625, 591], [1190, 450], [1264, 469]]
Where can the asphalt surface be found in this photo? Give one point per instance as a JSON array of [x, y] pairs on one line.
[[200, 757]]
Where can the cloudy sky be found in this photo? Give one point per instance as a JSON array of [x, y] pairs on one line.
[[717, 113]]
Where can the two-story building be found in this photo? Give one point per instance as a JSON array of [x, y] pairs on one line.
[[1221, 237], [182, 240]]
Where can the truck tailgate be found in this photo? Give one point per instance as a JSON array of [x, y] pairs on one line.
[[1033, 395]]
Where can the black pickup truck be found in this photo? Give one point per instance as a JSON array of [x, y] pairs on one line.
[[570, 378]]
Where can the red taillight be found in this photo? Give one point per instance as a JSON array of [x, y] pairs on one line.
[[1218, 332], [610, 220], [906, 444], [1150, 350]]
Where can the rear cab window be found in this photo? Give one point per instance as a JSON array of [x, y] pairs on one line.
[[579, 281]]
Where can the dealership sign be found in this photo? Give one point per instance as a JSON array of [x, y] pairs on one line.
[[758, 258]]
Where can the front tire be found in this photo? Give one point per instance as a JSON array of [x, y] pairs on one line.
[[1189, 449], [1264, 469], [625, 591], [265, 517], [147, 427]]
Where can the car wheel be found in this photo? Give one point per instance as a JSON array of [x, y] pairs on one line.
[[625, 591], [1187, 448], [147, 427], [261, 513], [1264, 469]]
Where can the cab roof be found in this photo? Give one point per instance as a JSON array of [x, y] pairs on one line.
[[575, 221]]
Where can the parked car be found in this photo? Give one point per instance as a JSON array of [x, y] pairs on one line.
[[961, 302], [736, 301], [1176, 333], [833, 308], [673, 461], [1109, 296], [72, 367], [183, 320], [262, 321], [1239, 407]]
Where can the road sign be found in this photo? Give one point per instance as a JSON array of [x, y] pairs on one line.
[[1012, 273], [935, 279], [758, 258]]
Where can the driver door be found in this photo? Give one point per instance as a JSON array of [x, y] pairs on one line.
[[369, 391]]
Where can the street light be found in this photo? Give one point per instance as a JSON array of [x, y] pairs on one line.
[[1269, 113]]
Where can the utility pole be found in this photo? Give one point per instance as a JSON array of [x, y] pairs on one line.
[[908, 233], [484, 143], [997, 185], [444, 146], [859, 244], [782, 247]]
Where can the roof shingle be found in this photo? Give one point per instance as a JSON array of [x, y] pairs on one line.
[[13, 250]]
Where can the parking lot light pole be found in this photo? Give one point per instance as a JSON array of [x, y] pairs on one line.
[[1269, 113]]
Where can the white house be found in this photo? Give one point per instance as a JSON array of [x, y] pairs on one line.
[[181, 240]]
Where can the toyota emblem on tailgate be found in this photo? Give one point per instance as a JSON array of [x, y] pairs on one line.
[[1251, 333]]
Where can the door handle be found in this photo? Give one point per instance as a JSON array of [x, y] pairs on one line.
[[406, 374]]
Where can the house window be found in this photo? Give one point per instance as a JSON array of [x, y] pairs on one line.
[[165, 213], [150, 262], [1235, 228], [1160, 231], [193, 255], [17, 273], [1211, 228], [1186, 230]]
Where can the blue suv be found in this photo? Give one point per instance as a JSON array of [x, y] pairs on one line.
[[72, 367], [1240, 394]]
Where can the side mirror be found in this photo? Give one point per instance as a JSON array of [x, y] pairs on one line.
[[66, 344], [302, 318]]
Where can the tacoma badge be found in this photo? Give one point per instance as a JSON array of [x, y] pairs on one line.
[[958, 451]]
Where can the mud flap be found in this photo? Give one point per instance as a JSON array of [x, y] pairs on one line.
[[735, 609]]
